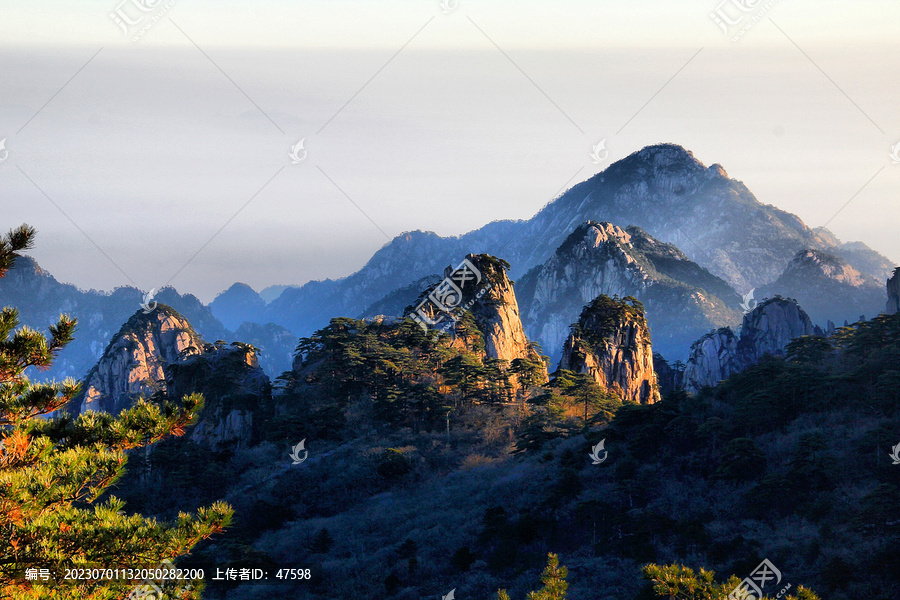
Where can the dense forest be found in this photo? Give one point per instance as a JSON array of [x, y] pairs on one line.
[[787, 461]]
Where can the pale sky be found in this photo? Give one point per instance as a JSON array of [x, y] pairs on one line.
[[425, 119]]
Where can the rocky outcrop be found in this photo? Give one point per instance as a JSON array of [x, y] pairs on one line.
[[483, 290], [497, 314], [159, 356], [714, 358], [893, 292], [770, 327], [134, 363], [41, 298], [682, 300], [766, 330], [611, 343], [827, 287], [234, 387]]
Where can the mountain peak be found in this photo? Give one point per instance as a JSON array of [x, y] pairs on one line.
[[239, 288], [767, 329], [594, 233], [134, 362], [661, 156], [233, 305], [611, 343], [829, 265], [601, 258], [828, 287], [141, 319]]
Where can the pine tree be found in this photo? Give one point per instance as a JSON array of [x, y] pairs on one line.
[[554, 580], [677, 582], [53, 470]]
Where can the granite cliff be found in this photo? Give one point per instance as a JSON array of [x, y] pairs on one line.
[[497, 313], [767, 329], [893, 292], [611, 343], [134, 363], [159, 356], [490, 299]]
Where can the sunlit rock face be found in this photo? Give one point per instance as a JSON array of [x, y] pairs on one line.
[[134, 363], [611, 343]]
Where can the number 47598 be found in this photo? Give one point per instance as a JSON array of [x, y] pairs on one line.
[[293, 574]]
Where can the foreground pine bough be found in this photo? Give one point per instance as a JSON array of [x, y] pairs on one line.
[[52, 471]]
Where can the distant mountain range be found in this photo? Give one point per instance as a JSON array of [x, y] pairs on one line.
[[40, 299], [713, 219], [686, 239]]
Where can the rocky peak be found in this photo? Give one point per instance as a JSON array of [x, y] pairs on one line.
[[828, 287], [159, 355], [496, 312], [134, 362], [829, 265], [611, 343], [598, 258], [767, 329], [893, 292], [771, 326], [595, 234], [663, 157], [487, 300]]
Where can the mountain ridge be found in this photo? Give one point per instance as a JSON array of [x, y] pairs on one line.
[[663, 189], [682, 299]]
